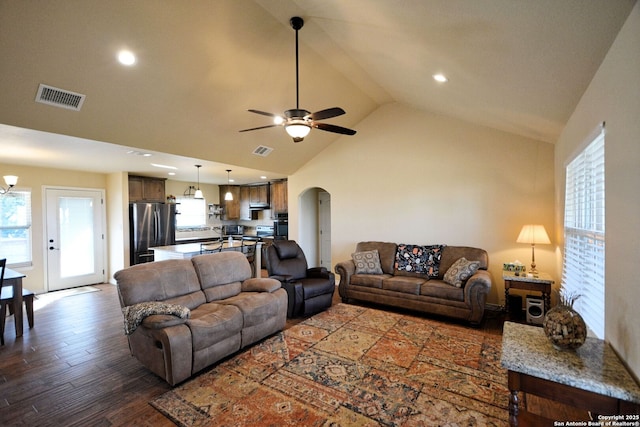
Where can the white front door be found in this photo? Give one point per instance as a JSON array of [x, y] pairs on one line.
[[75, 242]]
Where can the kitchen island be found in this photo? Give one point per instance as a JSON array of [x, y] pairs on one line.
[[188, 250]]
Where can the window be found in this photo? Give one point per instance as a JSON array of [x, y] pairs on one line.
[[192, 212], [584, 234], [15, 228]]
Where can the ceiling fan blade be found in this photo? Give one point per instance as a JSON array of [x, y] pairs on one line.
[[259, 127], [333, 128], [327, 114], [264, 113]]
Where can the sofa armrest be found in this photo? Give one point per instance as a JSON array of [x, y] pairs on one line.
[[260, 284], [318, 272], [475, 294], [345, 269], [321, 273]]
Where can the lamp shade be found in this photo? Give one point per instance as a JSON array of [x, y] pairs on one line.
[[198, 194], [10, 180], [534, 234]]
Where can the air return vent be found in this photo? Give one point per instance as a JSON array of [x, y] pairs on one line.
[[59, 97], [262, 150]]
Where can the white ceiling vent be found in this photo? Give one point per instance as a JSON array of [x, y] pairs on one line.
[[59, 97], [262, 150]]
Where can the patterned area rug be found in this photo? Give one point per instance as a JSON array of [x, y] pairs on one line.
[[352, 366]]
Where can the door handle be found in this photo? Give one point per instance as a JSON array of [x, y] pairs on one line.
[[51, 248]]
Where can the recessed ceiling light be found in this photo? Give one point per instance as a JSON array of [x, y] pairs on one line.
[[171, 173], [126, 57], [139, 153], [263, 177], [163, 166], [440, 78]]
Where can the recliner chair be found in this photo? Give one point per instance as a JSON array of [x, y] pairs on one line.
[[309, 290]]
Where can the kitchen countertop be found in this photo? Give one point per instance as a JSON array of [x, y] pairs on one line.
[[190, 248]]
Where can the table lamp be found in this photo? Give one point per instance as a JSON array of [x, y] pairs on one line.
[[533, 233]]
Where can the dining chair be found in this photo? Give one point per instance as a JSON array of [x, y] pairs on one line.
[[6, 300]]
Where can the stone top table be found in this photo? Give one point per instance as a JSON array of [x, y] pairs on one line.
[[591, 377]]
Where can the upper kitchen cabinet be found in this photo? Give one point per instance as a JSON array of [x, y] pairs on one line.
[[279, 201], [245, 209], [146, 189], [231, 207], [259, 196]]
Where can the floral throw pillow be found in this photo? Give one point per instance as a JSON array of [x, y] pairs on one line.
[[460, 272], [367, 262], [419, 259]]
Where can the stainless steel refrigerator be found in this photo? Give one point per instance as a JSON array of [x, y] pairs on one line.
[[150, 224]]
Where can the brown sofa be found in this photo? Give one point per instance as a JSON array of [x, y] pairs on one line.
[[184, 315], [423, 292]]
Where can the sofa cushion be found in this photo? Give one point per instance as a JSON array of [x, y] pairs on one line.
[[221, 274], [211, 323], [256, 307], [386, 251], [367, 262], [419, 259], [460, 271], [369, 280], [172, 280], [451, 254], [404, 284], [438, 289]]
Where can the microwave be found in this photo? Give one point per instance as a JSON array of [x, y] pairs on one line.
[[232, 230]]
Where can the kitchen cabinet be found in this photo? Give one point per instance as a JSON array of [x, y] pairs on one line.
[[146, 189], [259, 196], [231, 207], [245, 211], [279, 200]]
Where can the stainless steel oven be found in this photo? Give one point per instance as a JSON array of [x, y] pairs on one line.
[[281, 226]]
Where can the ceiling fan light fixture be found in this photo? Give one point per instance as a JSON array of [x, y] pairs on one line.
[[298, 130]]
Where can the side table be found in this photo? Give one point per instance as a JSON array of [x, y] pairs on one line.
[[542, 283], [591, 377]]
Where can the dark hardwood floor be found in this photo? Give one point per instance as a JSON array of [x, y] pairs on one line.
[[74, 368]]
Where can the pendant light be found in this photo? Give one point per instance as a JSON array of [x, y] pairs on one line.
[[228, 196], [198, 194]]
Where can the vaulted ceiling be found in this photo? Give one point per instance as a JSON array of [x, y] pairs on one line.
[[517, 66]]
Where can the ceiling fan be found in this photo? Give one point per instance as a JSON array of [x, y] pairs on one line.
[[298, 122]]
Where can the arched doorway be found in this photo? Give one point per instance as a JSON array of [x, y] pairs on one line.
[[315, 227]]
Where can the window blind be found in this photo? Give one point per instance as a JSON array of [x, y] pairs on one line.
[[15, 228], [584, 233]]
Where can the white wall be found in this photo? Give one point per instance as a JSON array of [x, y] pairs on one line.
[[415, 177], [614, 97]]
